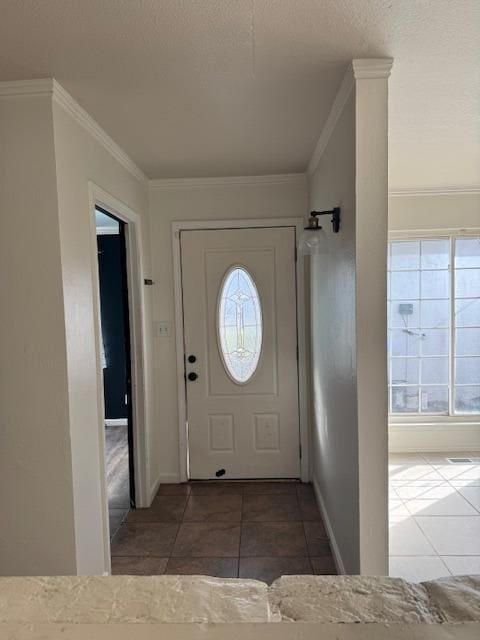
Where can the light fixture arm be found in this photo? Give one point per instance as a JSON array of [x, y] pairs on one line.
[[313, 221]]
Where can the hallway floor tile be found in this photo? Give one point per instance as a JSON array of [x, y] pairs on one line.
[[259, 530]]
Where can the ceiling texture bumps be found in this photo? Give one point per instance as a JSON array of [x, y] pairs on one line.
[[192, 88]]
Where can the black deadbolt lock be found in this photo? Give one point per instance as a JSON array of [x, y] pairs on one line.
[[192, 359], [192, 376]]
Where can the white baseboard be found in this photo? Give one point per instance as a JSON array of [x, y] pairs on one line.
[[163, 478], [337, 556], [404, 438], [116, 422]]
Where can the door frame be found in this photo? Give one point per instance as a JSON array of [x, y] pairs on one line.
[[138, 352], [297, 224], [121, 234]]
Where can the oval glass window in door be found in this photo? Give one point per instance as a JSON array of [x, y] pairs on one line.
[[239, 324]]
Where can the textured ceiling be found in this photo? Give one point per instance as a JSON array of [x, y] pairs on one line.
[[239, 87]]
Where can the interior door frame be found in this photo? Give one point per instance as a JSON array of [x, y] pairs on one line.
[[133, 241], [203, 225], [122, 236]]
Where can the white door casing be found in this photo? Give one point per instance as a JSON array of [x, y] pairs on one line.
[[249, 428], [139, 349]]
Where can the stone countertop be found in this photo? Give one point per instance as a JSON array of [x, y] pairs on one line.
[[132, 599], [243, 631], [153, 600]]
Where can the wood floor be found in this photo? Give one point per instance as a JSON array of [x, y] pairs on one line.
[[118, 484], [258, 530]]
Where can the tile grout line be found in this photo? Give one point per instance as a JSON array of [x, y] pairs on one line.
[[445, 565], [241, 534], [470, 503], [305, 535], [270, 557], [237, 522], [178, 529]]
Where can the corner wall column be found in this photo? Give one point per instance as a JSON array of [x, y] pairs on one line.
[[371, 185]]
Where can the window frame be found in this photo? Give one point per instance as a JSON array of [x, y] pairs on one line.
[[451, 415], [223, 356]]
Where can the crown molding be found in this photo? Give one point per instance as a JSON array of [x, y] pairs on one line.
[[371, 68], [16, 88], [360, 68], [335, 112], [233, 181], [434, 191], [50, 87], [65, 100]]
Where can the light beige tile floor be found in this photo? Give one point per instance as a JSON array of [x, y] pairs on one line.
[[434, 513]]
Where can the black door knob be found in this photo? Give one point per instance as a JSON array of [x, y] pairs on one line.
[[192, 359], [192, 376]]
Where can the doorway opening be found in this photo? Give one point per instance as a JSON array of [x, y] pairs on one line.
[[116, 365]]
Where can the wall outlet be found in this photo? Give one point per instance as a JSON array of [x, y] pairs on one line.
[[162, 329]]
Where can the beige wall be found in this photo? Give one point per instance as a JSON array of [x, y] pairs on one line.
[[433, 212], [37, 529], [196, 203], [79, 159]]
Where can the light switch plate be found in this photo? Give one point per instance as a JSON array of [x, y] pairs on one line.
[[162, 329]]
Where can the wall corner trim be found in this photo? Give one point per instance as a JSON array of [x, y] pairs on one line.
[[49, 86], [371, 68], [337, 556], [163, 184], [338, 105]]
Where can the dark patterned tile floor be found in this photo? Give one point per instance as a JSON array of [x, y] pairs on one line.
[[259, 530]]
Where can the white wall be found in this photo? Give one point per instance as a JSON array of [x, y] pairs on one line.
[[52, 429], [55, 246], [333, 337], [435, 214], [348, 323], [183, 202], [51, 455], [37, 529], [79, 159], [371, 186]]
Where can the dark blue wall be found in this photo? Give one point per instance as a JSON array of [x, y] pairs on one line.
[[113, 329]]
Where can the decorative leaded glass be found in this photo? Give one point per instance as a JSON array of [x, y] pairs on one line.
[[239, 324]]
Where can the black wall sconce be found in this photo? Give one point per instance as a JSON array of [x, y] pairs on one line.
[[314, 240], [335, 213]]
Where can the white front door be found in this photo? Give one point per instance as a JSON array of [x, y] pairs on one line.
[[239, 302]]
